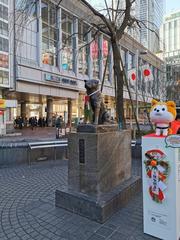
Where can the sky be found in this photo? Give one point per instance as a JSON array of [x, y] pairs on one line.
[[172, 5]]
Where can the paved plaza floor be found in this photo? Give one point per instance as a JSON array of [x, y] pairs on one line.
[[38, 133], [27, 209]]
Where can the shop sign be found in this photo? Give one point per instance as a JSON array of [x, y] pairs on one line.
[[69, 81], [11, 103], [2, 103], [173, 141], [65, 66], [49, 77]]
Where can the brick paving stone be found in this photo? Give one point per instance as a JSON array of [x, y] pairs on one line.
[[119, 236], [104, 231], [27, 210], [96, 237]]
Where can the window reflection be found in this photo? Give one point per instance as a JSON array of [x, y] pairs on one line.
[[95, 56], [106, 58], [4, 60], [4, 77], [83, 48], [67, 49], [49, 33]]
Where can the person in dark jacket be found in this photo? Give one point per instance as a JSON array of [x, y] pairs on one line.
[[59, 125], [33, 123]]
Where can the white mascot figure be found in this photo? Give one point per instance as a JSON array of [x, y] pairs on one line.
[[162, 114]]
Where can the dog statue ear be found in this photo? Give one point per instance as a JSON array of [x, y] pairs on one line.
[[153, 102], [171, 104], [85, 81]]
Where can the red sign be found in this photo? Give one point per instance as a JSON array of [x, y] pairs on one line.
[[105, 48], [94, 49], [1, 112]]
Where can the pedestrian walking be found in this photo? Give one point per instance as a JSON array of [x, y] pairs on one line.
[[33, 123], [59, 125]]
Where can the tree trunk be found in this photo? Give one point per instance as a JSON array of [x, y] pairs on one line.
[[130, 97], [119, 85]]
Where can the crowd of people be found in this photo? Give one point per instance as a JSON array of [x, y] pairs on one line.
[[32, 122]]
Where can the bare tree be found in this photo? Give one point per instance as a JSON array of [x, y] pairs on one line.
[[116, 21], [112, 19]]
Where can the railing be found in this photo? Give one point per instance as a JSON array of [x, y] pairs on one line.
[[55, 144], [47, 144]]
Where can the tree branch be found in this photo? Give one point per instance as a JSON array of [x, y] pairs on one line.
[[98, 14]]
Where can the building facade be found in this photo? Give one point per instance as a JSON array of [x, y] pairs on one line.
[[151, 14], [56, 49], [170, 35]]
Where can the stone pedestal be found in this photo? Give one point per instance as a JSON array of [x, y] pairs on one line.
[[99, 172]]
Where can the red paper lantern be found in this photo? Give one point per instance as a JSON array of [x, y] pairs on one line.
[[133, 76], [1, 112], [146, 72]]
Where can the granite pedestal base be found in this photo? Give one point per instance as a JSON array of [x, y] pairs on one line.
[[101, 209], [99, 172]]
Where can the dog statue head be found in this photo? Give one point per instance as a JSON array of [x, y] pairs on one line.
[[91, 85]]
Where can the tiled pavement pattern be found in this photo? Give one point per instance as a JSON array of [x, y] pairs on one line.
[[27, 208]]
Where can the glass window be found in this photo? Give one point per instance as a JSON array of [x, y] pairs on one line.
[[49, 33], [4, 77], [3, 28], [44, 12], [4, 1], [131, 61], [95, 55], [4, 44], [3, 12], [123, 55], [83, 48], [67, 45], [4, 61], [28, 8], [106, 58]]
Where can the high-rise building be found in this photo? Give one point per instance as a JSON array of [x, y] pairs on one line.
[[6, 105], [171, 35], [4, 45], [4, 61], [171, 48], [151, 15]]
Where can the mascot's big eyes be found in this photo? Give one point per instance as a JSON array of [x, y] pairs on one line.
[[155, 109], [163, 109]]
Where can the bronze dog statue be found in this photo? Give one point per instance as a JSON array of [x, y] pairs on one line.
[[100, 115]]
